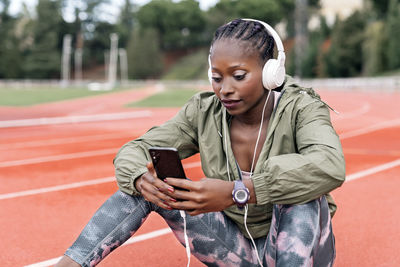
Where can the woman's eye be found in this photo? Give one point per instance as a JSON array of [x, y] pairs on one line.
[[216, 79], [239, 77]]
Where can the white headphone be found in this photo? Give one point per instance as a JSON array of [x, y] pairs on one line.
[[274, 72]]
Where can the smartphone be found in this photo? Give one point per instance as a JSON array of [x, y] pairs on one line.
[[166, 162]]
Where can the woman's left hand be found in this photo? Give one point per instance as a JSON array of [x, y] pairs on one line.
[[206, 195]]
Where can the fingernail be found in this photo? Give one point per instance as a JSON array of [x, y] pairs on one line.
[[170, 189], [172, 199]]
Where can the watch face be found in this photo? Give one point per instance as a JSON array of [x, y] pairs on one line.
[[241, 196]]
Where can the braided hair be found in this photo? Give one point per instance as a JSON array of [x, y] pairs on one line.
[[251, 31]]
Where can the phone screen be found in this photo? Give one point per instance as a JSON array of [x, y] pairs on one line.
[[166, 162]]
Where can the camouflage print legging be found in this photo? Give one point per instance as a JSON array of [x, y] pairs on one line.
[[300, 235]]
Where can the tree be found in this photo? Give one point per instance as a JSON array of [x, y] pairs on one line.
[[270, 11], [393, 33], [179, 25], [43, 60], [345, 58], [144, 54], [125, 23], [99, 42], [4, 5], [90, 29], [380, 7], [10, 63], [374, 49]]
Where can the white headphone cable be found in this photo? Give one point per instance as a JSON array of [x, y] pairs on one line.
[[259, 133], [226, 149], [251, 174], [187, 246], [251, 238], [183, 214]]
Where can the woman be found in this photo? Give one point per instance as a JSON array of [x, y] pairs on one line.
[[277, 148]]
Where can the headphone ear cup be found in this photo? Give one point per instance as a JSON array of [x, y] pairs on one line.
[[268, 73], [273, 75]]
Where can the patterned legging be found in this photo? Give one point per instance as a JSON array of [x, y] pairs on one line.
[[300, 235]]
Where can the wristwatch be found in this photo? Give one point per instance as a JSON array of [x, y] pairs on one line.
[[240, 194]]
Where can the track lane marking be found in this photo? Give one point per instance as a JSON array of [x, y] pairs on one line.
[[57, 188], [66, 140], [373, 170], [372, 152], [101, 152], [355, 113], [370, 129], [74, 185], [133, 239], [342, 136], [75, 119]]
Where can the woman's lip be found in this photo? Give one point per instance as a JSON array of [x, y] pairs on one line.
[[230, 103]]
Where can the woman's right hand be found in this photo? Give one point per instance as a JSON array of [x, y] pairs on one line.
[[153, 189]]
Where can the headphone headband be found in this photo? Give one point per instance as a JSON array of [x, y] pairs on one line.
[[277, 39]]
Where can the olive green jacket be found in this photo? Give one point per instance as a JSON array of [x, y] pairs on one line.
[[301, 158]]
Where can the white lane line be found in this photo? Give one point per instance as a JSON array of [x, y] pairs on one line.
[[74, 185], [57, 188], [78, 139], [371, 128], [133, 239], [192, 165], [355, 113], [86, 154], [66, 140], [350, 134], [75, 119], [373, 170], [13, 163]]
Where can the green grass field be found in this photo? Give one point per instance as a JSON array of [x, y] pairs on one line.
[[38, 95]]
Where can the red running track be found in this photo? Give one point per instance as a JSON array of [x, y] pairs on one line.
[[53, 177]]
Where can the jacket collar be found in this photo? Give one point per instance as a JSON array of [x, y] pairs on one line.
[[287, 89]]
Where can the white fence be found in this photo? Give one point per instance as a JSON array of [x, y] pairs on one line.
[[368, 83]]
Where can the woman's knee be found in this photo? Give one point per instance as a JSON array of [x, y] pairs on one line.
[[304, 231], [311, 210]]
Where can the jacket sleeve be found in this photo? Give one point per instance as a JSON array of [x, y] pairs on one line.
[[315, 170], [179, 132]]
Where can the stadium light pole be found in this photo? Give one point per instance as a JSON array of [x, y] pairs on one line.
[[123, 61], [78, 57], [301, 34], [78, 64], [112, 71], [106, 63], [66, 56]]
